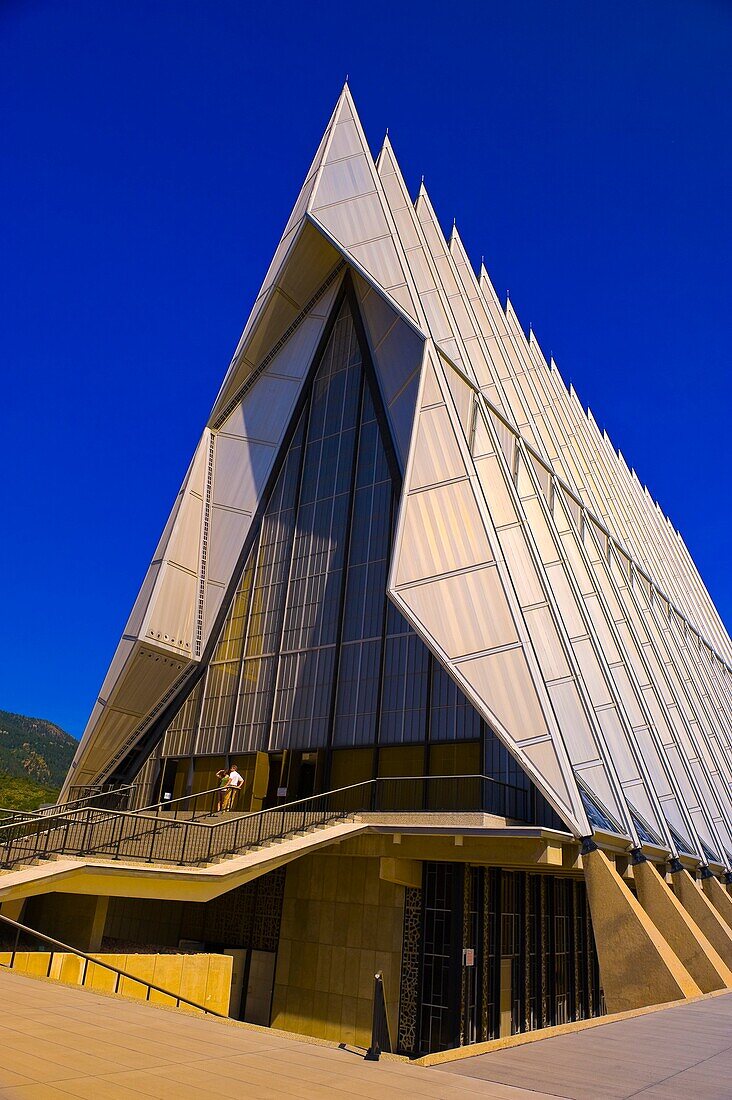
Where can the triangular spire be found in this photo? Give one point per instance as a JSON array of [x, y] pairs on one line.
[[397, 195], [492, 301], [341, 208], [437, 317], [348, 203], [273, 313], [487, 375]]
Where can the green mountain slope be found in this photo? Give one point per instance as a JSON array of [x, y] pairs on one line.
[[34, 749], [24, 794]]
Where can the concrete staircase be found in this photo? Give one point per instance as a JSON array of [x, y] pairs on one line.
[[130, 877]]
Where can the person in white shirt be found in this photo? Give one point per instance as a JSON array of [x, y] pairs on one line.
[[236, 782]]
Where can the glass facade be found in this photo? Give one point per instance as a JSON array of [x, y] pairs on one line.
[[501, 952], [644, 833], [597, 816], [312, 656]]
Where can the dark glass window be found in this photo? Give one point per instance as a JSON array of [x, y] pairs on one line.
[[709, 855], [452, 718], [440, 940], [312, 655], [681, 844], [599, 818], [644, 833]]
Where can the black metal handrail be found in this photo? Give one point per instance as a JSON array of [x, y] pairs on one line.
[[200, 805], [12, 817], [23, 929], [31, 822], [112, 794], [158, 837], [83, 792], [62, 810]]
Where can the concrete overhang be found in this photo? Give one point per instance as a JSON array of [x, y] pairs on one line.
[[461, 839]]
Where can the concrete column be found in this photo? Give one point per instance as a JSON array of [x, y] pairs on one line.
[[260, 781], [637, 965], [685, 938], [703, 913], [719, 898], [98, 920], [74, 919]]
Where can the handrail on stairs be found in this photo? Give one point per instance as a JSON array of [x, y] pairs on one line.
[[17, 815], [138, 836], [58, 809], [67, 949], [166, 803], [87, 799], [62, 810]]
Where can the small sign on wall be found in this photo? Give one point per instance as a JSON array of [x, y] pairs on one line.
[[468, 956]]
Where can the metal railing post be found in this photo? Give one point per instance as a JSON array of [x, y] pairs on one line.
[[380, 1037], [86, 832], [153, 837]]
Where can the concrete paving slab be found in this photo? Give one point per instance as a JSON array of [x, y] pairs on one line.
[[62, 1041], [681, 1051]]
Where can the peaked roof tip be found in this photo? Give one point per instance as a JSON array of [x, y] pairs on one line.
[[386, 146], [346, 96]]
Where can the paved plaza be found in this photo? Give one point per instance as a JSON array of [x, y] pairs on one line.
[[679, 1053], [60, 1041]]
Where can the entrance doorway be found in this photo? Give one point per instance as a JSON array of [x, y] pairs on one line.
[[294, 775], [276, 782], [303, 778], [172, 780]]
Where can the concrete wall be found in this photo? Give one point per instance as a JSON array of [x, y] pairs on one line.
[[148, 921], [74, 919], [340, 924], [204, 979]]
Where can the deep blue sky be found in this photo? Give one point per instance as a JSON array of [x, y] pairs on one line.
[[150, 156]]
